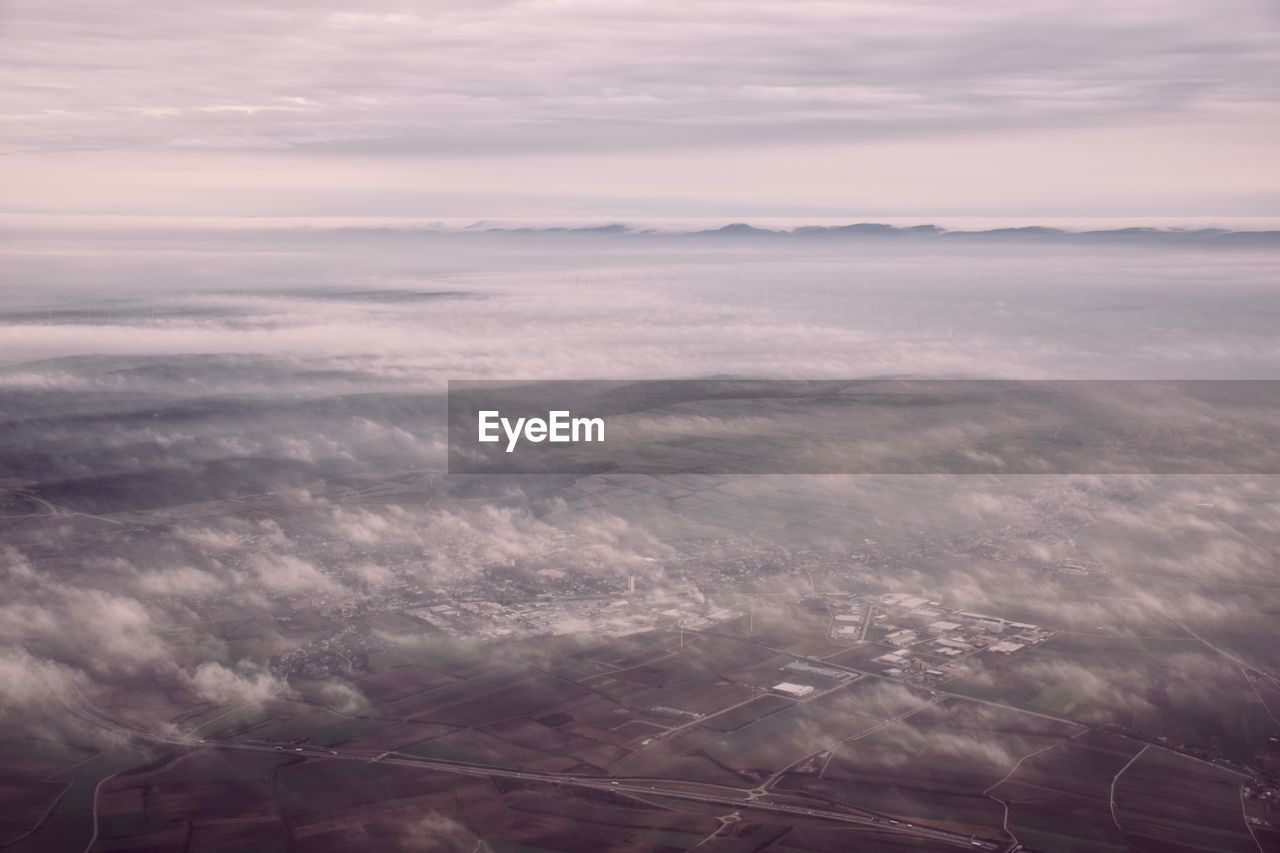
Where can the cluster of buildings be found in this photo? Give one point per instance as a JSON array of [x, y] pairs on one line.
[[850, 620], [548, 614], [342, 653], [926, 639], [799, 674], [1262, 792]]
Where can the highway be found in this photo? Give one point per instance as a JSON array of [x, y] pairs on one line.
[[669, 788], [736, 798]]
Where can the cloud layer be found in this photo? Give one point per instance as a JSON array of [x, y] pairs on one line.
[[522, 76], [507, 107]]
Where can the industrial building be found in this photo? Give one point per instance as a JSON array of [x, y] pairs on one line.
[[791, 689]]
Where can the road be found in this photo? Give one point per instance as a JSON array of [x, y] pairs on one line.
[[736, 798], [1111, 795]]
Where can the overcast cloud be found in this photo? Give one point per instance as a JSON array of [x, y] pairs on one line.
[[620, 108]]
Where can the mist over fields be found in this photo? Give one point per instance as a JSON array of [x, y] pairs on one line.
[[143, 373], [329, 351], [222, 452]]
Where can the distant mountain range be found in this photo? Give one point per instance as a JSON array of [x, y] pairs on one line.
[[740, 231]]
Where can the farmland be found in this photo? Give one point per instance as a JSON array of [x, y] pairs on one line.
[[693, 719], [768, 696]]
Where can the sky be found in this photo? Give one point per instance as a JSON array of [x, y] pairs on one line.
[[617, 109]]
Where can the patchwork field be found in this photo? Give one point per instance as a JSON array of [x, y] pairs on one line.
[[657, 742]]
